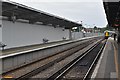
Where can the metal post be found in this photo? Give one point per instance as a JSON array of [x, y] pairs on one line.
[[70, 34]]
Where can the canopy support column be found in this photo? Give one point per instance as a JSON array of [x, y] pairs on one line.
[[70, 34]]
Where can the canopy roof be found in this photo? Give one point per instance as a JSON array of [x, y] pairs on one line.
[[19, 11], [112, 10]]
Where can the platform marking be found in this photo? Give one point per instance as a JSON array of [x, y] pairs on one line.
[[7, 77], [98, 64], [116, 59]]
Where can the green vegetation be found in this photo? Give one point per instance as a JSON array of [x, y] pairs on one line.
[[104, 28], [95, 29]]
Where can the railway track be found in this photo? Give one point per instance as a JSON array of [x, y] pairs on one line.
[[38, 66], [82, 68], [61, 69]]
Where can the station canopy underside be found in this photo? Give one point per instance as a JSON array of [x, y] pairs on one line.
[[112, 10], [19, 11]]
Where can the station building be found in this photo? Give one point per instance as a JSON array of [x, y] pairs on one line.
[[23, 26]]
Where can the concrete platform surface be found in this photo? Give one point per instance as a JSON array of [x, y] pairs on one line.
[[25, 48], [30, 48], [118, 58], [107, 66]]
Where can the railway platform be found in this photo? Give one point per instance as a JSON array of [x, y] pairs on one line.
[[118, 60], [15, 60], [35, 47], [71, 58], [108, 64], [30, 47]]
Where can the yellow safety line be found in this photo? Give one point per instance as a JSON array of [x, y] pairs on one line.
[[7, 77], [116, 62]]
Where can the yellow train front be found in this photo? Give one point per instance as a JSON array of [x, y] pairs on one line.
[[106, 33]]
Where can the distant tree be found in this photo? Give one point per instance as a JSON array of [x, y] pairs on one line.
[[95, 27], [109, 27], [102, 29]]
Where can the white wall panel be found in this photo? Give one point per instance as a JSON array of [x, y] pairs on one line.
[[77, 35], [1, 31], [22, 34], [0, 34]]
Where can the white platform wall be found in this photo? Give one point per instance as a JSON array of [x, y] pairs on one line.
[[91, 34], [22, 34], [1, 31], [0, 34], [77, 35]]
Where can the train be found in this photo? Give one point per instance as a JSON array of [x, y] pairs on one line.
[[108, 34]]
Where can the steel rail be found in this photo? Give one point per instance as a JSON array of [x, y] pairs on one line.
[[95, 60], [62, 71]]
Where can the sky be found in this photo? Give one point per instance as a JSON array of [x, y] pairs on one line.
[[90, 12]]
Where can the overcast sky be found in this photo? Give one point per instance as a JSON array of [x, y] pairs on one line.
[[90, 12]]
